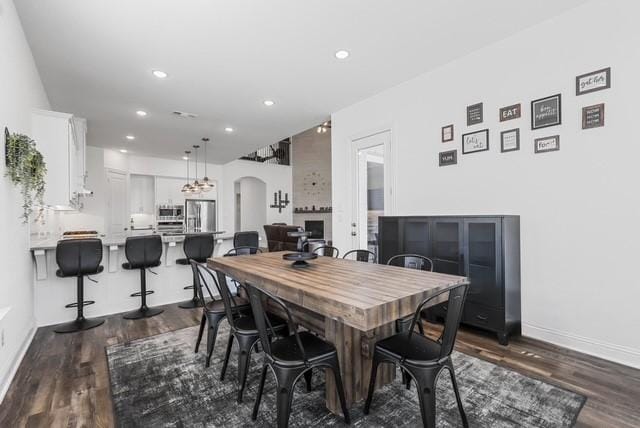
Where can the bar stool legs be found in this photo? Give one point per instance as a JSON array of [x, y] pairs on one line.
[[80, 323], [195, 301], [144, 311]]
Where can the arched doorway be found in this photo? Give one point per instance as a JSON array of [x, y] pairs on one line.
[[250, 204]]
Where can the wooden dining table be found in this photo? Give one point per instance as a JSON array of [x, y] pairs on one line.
[[351, 304]]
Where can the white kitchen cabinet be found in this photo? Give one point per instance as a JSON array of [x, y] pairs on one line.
[[168, 191], [142, 194], [61, 138]]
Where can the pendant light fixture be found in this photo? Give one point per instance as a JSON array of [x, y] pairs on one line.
[[206, 184], [195, 187], [187, 187]]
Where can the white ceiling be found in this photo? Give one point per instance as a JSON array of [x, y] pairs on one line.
[[225, 57]]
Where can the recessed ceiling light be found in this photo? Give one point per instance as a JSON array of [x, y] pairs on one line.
[[185, 158], [268, 103], [342, 54], [130, 137], [160, 74], [123, 150], [141, 113], [228, 129]]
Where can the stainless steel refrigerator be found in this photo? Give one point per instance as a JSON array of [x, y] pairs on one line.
[[200, 215]]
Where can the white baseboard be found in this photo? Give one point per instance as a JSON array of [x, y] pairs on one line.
[[608, 351], [13, 365]]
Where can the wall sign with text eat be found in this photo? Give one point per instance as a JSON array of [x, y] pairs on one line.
[[510, 112]]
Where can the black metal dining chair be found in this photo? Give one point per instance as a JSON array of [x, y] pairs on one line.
[[422, 358], [412, 261], [246, 239], [213, 310], [244, 330], [242, 251], [361, 256], [290, 357], [327, 250]]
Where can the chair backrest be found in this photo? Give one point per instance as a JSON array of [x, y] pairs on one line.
[[198, 247], [230, 306], [327, 250], [412, 261], [455, 304], [258, 299], [143, 251], [277, 238], [79, 256], [246, 239], [361, 256], [242, 251], [200, 281]]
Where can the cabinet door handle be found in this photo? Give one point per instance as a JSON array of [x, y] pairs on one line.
[[482, 317]]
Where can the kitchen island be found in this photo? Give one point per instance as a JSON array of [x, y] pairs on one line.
[[112, 291]]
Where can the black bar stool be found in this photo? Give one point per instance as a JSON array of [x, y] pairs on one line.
[[246, 239], [79, 257], [197, 248], [142, 252]]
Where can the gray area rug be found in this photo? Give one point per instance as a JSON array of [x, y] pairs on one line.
[[160, 382]]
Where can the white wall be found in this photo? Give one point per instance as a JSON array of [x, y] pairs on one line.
[[253, 205], [579, 207], [21, 90], [276, 177]]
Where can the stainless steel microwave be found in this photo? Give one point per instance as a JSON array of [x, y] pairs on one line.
[[170, 213]]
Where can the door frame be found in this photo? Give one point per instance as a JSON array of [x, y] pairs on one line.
[[127, 183], [389, 173]]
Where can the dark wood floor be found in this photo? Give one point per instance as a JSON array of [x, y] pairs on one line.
[[63, 380]]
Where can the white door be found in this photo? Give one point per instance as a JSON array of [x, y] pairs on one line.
[[372, 187], [117, 221]]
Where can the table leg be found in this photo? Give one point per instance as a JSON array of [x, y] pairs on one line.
[[355, 352]]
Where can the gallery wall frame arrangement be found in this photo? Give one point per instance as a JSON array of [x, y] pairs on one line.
[[510, 112], [593, 81], [450, 157], [593, 116], [475, 114], [510, 140], [547, 144], [546, 112], [477, 141], [447, 133]]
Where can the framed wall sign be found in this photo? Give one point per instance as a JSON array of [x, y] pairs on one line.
[[474, 114], [593, 116], [448, 158], [546, 112], [475, 142], [510, 140], [510, 112], [594, 81], [447, 133], [547, 144]]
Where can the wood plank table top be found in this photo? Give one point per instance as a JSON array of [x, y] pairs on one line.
[[361, 295]]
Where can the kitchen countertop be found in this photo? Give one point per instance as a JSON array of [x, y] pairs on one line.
[[50, 243]]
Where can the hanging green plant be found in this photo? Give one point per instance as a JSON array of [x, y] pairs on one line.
[[26, 168]]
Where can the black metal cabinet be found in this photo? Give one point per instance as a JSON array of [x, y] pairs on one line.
[[486, 249]]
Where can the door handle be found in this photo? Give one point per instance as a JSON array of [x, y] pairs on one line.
[[353, 233]]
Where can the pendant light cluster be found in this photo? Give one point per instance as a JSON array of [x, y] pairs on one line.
[[197, 186]]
